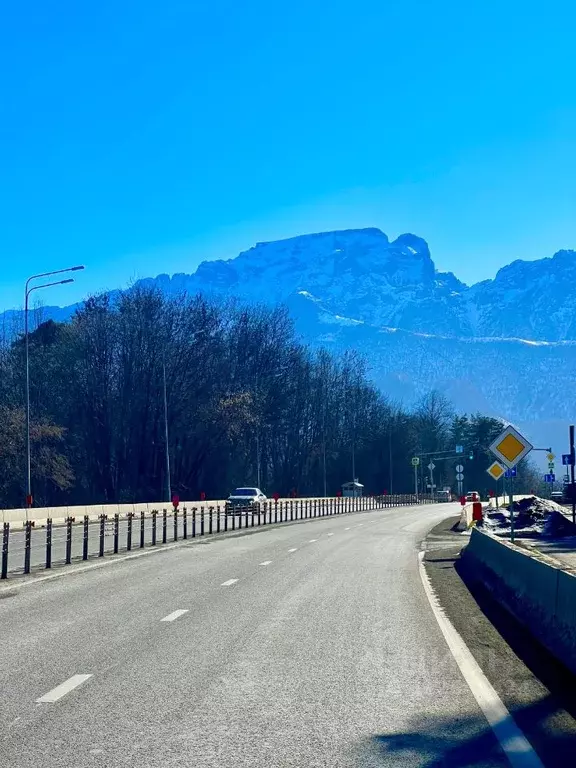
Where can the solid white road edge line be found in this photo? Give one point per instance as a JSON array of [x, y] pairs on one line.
[[266, 562], [175, 614], [63, 689], [229, 583], [515, 745]]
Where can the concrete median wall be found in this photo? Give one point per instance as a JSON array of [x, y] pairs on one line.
[[539, 593], [41, 514], [17, 517]]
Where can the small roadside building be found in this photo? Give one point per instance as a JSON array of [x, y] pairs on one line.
[[353, 489]]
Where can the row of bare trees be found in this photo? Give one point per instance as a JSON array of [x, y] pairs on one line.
[[244, 399]]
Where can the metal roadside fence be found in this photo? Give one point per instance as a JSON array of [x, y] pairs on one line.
[[27, 548]]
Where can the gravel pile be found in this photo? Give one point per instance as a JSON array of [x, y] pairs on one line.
[[533, 517]]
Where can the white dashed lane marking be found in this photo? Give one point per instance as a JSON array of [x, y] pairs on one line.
[[312, 541], [62, 689], [293, 550], [346, 529], [229, 583], [330, 534], [175, 614], [266, 562]]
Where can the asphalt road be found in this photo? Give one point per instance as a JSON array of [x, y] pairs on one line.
[[306, 645]]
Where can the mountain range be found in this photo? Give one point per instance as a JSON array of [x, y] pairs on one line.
[[506, 347]]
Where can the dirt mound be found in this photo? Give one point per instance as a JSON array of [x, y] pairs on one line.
[[533, 517]]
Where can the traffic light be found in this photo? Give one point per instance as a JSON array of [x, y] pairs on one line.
[[471, 456]]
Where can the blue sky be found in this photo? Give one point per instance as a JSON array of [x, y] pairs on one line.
[[141, 137]]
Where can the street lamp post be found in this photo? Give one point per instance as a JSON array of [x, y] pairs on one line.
[[27, 292], [166, 443]]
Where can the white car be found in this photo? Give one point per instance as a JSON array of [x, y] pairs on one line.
[[472, 496], [245, 497]]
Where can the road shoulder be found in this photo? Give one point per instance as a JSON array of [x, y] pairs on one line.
[[538, 691]]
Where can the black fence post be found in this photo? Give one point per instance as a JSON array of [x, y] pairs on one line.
[[69, 521], [226, 510], [154, 524], [101, 535], [175, 523], [210, 519], [142, 528], [164, 525], [184, 523], [218, 513], [116, 532], [193, 522], [49, 543], [129, 532], [246, 518], [85, 528], [27, 545], [5, 541], [202, 522]]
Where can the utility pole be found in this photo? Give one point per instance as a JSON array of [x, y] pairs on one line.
[[166, 443], [390, 462]]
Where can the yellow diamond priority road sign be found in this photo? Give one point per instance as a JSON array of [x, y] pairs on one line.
[[496, 470], [510, 447]]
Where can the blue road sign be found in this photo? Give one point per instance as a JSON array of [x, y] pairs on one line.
[[510, 472], [459, 449], [566, 459], [549, 478]]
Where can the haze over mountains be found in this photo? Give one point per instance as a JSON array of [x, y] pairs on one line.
[[505, 346]]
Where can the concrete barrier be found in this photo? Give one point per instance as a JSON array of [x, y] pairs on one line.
[[532, 587], [58, 515]]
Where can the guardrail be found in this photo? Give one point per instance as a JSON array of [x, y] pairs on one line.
[[86, 537]]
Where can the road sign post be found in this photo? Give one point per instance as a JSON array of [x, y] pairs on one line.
[[431, 467], [510, 447], [572, 473], [415, 463], [511, 489]]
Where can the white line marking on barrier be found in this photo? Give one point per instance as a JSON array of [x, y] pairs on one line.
[[293, 550], [515, 745], [229, 583], [62, 689], [175, 615], [266, 562]]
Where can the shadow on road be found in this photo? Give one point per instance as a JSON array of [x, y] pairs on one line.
[[439, 742]]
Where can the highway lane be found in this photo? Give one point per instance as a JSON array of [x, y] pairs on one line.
[[303, 645]]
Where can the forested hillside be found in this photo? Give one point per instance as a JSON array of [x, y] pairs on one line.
[[241, 390]]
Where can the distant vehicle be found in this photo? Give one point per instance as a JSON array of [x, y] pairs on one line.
[[557, 496], [443, 495], [244, 497], [472, 496]]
